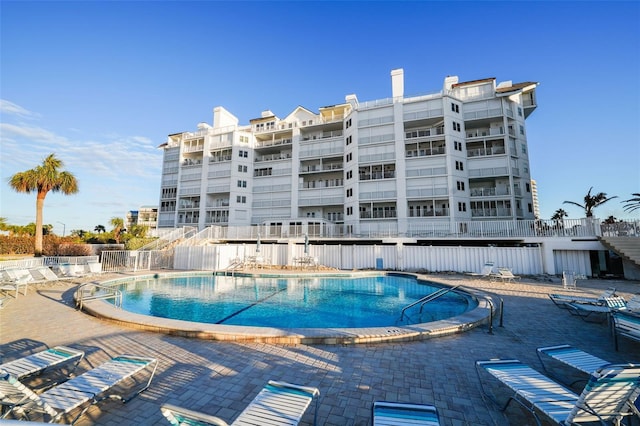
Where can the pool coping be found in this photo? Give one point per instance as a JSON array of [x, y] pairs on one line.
[[482, 314]]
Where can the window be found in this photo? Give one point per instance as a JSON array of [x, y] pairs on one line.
[[459, 165], [242, 184], [462, 207], [350, 192], [241, 199], [455, 108], [524, 148], [349, 211], [520, 111], [530, 207], [521, 129], [350, 174], [528, 186], [348, 124], [349, 156], [457, 145], [460, 185], [456, 126], [349, 140], [244, 139], [243, 154], [242, 169]]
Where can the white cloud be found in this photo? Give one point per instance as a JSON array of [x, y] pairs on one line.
[[7, 107]]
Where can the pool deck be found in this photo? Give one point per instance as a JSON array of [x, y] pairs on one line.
[[221, 378]]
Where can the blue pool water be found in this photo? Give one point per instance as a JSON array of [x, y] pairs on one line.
[[291, 302]]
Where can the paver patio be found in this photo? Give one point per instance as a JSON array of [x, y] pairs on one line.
[[221, 378]]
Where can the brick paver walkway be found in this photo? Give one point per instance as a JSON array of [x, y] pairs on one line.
[[222, 378]]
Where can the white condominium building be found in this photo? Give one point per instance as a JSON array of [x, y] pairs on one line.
[[401, 164]]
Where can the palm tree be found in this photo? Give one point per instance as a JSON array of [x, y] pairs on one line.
[[42, 179], [633, 204], [118, 225], [558, 217], [591, 202], [100, 229]]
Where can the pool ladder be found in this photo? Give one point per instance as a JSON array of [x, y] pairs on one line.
[[433, 296], [90, 291]]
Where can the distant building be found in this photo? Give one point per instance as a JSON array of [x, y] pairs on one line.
[[146, 216], [400, 163], [534, 194]]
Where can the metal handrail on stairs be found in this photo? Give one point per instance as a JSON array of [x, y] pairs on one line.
[[88, 292], [428, 298]]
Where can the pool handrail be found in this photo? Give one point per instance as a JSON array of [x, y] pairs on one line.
[[428, 298], [111, 293]]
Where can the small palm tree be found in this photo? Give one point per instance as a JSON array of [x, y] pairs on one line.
[[633, 204], [43, 179], [591, 202], [558, 217], [100, 229], [118, 225]]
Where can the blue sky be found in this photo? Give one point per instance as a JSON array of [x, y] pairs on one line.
[[102, 84]]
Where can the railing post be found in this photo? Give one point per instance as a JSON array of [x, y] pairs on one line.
[[490, 316], [501, 312]]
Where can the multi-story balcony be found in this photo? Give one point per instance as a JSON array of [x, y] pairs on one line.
[[323, 135], [487, 131], [488, 192], [328, 195], [219, 189], [320, 168], [378, 211], [491, 212], [423, 132], [273, 142], [285, 155], [321, 183], [483, 114], [489, 171], [485, 148], [188, 162]]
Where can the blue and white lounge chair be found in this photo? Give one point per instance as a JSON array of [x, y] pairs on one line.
[[626, 323], [600, 312], [608, 396], [278, 403], [562, 300], [79, 393], [402, 414], [42, 362], [578, 364]]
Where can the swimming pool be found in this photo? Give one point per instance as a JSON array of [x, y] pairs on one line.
[[292, 302], [151, 294]]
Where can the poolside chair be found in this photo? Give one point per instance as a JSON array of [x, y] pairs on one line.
[[56, 358], [43, 274], [569, 280], [83, 391], [15, 278], [600, 313], [580, 363], [487, 270], [401, 414], [561, 300], [278, 403], [626, 324], [633, 304], [608, 396], [505, 275]]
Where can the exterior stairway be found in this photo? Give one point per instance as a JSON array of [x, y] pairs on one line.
[[626, 247]]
